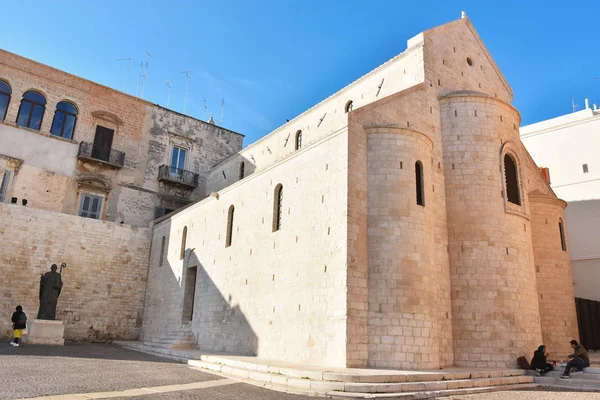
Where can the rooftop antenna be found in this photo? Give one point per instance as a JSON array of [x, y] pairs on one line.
[[188, 75], [146, 72], [205, 107], [222, 111], [137, 87], [573, 103], [169, 84], [127, 75]]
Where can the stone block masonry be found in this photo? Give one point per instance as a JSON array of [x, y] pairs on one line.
[[104, 282]]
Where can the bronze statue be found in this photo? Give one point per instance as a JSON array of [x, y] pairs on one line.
[[50, 287]]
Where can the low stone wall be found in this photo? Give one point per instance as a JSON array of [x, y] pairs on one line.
[[104, 282]]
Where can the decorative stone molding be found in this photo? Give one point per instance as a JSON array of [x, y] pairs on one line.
[[108, 116], [94, 182], [395, 129], [538, 197], [512, 150]]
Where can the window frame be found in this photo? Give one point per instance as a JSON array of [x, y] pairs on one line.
[[277, 207], [563, 238], [67, 114], [183, 243], [512, 190], [229, 232], [420, 183], [92, 196], [298, 140], [33, 105], [349, 106], [242, 170], [8, 95], [174, 169]]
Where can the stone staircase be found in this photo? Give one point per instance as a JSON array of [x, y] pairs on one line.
[[588, 380], [179, 338], [345, 382]]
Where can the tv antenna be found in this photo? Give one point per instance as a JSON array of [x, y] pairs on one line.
[[188, 75], [205, 107], [222, 111], [127, 75], [169, 84], [573, 104], [146, 71]]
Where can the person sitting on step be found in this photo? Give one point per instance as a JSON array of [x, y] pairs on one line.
[[578, 359], [539, 363]]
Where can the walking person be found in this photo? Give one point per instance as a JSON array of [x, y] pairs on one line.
[[578, 359], [539, 362], [19, 320]]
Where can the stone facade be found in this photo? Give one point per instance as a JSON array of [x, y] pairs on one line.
[[400, 223], [434, 254], [56, 170], [104, 282]]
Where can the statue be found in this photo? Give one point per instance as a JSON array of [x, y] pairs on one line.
[[50, 287]]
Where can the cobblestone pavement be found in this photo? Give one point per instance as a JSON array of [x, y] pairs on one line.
[[34, 371]]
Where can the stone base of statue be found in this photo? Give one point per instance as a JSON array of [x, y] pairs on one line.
[[41, 331]]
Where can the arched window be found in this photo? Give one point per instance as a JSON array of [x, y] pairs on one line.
[[561, 229], [64, 121], [512, 180], [349, 106], [419, 183], [183, 240], [162, 251], [298, 140], [229, 235], [31, 111], [5, 92], [242, 169], [277, 207]]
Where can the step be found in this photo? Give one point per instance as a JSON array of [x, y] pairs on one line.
[[574, 381], [353, 383]]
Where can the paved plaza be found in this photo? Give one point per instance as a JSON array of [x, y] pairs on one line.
[[38, 371]]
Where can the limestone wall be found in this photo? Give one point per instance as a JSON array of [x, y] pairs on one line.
[[495, 316], [105, 279], [553, 275], [276, 294]]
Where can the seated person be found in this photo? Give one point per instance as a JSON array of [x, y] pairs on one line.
[[539, 362], [578, 359]]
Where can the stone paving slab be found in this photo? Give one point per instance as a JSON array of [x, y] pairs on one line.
[[36, 370]]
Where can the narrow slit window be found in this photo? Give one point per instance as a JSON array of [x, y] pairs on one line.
[[349, 106], [298, 140], [512, 180], [277, 207], [419, 183], [183, 240], [563, 241], [585, 168], [242, 170], [162, 252], [229, 235]]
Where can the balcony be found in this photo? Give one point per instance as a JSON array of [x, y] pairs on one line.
[[176, 175], [103, 155]]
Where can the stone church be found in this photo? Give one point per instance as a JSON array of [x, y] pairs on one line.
[[399, 223]]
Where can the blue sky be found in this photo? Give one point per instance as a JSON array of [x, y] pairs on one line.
[[271, 60]]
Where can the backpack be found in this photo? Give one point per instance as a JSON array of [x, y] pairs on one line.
[[523, 363], [22, 319]]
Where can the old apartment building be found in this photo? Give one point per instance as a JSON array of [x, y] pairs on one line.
[[399, 223], [74, 146]]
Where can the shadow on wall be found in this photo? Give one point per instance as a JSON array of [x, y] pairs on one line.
[[217, 323]]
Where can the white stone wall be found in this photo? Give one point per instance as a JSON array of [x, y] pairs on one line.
[[275, 294], [105, 280]]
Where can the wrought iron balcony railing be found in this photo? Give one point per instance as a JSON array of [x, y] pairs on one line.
[[103, 154], [178, 175]]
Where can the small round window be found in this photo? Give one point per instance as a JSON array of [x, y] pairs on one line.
[[469, 61]]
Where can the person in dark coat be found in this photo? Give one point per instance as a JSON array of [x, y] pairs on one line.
[[579, 359], [19, 320], [539, 362]]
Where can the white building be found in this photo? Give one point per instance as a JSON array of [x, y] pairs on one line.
[[569, 146]]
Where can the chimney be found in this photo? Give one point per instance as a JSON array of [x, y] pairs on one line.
[[587, 104], [595, 107], [545, 173]]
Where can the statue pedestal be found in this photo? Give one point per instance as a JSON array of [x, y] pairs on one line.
[[41, 331]]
